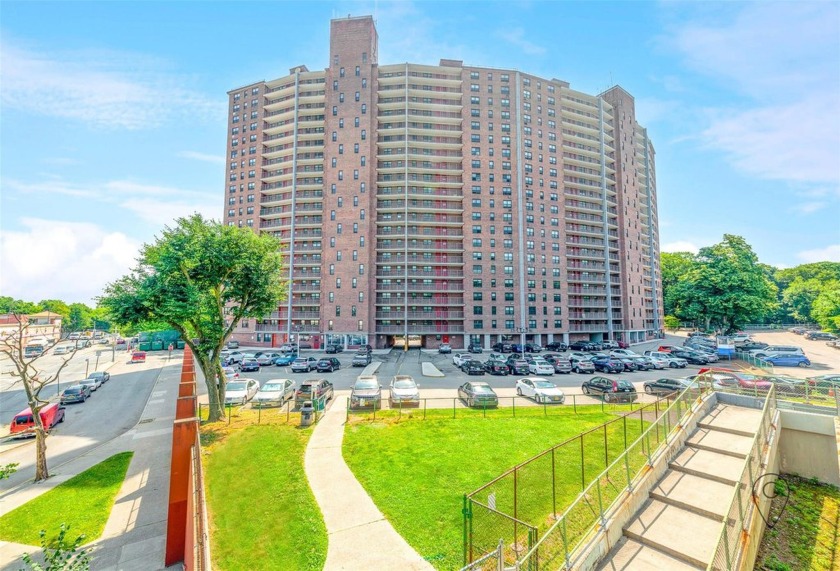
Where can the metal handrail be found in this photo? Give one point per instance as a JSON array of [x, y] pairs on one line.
[[759, 440], [621, 458]]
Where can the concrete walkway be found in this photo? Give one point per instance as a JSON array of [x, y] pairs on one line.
[[360, 538], [135, 533]]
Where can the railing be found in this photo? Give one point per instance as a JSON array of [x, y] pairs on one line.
[[575, 527], [741, 508]]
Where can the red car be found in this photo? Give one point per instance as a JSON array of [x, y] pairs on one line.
[[667, 348], [728, 378]]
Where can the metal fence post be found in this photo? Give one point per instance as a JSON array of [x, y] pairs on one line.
[[553, 485], [453, 408], [513, 400], [606, 449], [229, 407], [424, 409], [347, 409], [582, 467], [259, 415], [400, 408], [624, 418], [574, 403]]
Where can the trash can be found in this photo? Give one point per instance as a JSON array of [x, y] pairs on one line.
[[307, 413]]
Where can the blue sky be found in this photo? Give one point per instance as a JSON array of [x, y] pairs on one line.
[[114, 113]]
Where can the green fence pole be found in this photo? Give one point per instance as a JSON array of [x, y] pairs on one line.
[[513, 400], [545, 408], [424, 409], [453, 408], [574, 403], [400, 408], [229, 407], [582, 467], [606, 449], [553, 485], [464, 512]]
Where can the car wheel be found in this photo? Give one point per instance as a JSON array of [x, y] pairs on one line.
[[649, 390], [518, 391], [607, 397], [585, 389], [804, 364], [61, 419], [672, 365]]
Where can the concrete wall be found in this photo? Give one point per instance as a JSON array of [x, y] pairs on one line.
[[810, 446]]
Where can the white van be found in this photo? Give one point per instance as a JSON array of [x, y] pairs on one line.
[[777, 350]]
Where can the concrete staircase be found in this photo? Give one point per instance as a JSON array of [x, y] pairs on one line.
[[678, 527]]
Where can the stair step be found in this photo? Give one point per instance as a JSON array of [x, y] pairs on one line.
[[629, 554], [732, 419], [697, 494], [715, 466], [721, 441], [679, 533]]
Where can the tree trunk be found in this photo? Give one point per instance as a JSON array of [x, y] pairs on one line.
[[41, 472], [214, 379]]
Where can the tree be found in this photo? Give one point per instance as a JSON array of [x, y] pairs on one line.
[[826, 307], [726, 286], [674, 266], [34, 380], [81, 317], [10, 305], [201, 278], [59, 553], [56, 306]]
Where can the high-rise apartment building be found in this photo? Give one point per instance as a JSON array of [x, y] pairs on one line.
[[445, 203]]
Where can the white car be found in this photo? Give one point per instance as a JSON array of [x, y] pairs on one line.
[[403, 391], [94, 383], [231, 374], [539, 389], [268, 358], [673, 362], [63, 349], [275, 392], [623, 353], [540, 367], [460, 358], [241, 391], [658, 363]]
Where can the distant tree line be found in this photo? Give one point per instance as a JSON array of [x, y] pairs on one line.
[[724, 287], [74, 316]]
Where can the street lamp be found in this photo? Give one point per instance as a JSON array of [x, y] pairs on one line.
[[522, 331], [296, 329]]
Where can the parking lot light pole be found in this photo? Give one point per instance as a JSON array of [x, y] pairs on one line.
[[522, 331]]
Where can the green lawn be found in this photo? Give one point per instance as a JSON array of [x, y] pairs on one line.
[[83, 502], [418, 471], [262, 513], [807, 535]]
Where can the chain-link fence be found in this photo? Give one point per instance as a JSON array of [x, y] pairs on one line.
[[535, 492], [248, 414]]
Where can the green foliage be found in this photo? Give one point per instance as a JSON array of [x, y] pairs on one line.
[[59, 553], [673, 267], [826, 306], [56, 306], [200, 278], [672, 323], [10, 305], [7, 470]]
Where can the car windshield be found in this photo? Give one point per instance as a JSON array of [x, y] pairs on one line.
[[544, 385], [236, 386], [366, 384], [404, 385], [272, 387]]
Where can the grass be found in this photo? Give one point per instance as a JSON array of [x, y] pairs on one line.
[[807, 535], [262, 513], [83, 502], [417, 472]]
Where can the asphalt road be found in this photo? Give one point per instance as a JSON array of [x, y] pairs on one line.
[[112, 410]]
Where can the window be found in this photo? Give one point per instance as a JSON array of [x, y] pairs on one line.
[[355, 228], [335, 110], [362, 214], [338, 283], [357, 96], [364, 134], [364, 108], [338, 311], [338, 228], [358, 72], [353, 283], [341, 70]]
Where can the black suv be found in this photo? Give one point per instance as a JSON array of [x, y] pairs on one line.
[[328, 365], [612, 391], [475, 348], [556, 346], [502, 347], [334, 349]]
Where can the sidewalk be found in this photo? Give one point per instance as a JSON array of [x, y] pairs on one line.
[[352, 519], [134, 537]]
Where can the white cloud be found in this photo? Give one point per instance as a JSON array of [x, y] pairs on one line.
[[516, 37], [827, 254], [53, 259], [206, 157], [103, 89], [680, 246]]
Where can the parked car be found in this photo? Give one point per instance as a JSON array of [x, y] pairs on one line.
[[240, 391], [328, 365], [76, 393], [582, 365], [824, 383], [608, 365], [366, 392], [458, 359], [444, 348], [230, 373], [284, 360], [776, 350], [630, 365], [666, 386], [23, 423], [658, 363], [334, 348], [560, 363], [518, 366], [539, 389], [540, 367], [288, 348], [787, 385], [787, 360], [94, 384], [314, 389], [820, 336], [403, 391], [532, 348], [666, 348], [673, 361], [274, 392], [724, 378], [581, 346], [233, 357], [103, 376], [556, 346], [249, 364], [623, 353], [232, 344], [475, 348], [477, 395], [502, 347], [268, 358], [617, 390], [473, 367], [304, 364], [691, 356], [645, 363], [496, 367], [361, 359], [63, 349]]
